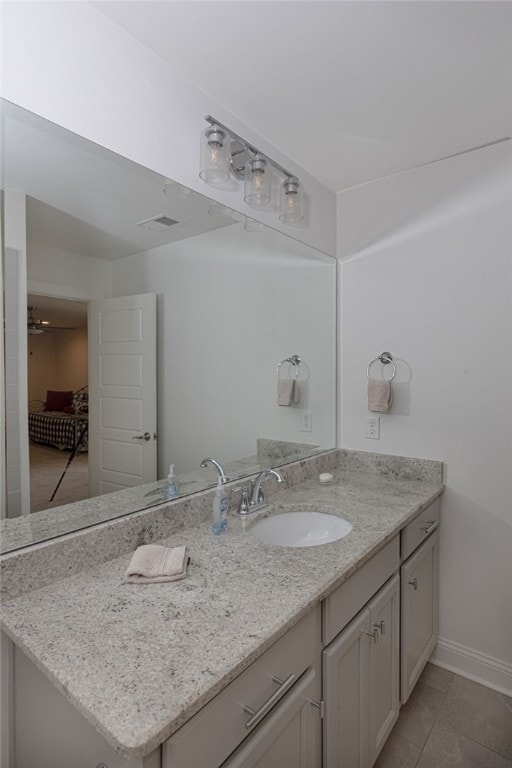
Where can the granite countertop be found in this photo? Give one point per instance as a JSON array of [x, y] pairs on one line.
[[139, 660], [24, 531]]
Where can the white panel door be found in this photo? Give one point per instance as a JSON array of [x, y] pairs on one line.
[[122, 392]]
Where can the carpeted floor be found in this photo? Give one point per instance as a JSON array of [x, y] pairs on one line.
[[46, 466]]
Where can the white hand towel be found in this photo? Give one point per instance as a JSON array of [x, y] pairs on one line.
[[380, 396], [287, 392], [152, 564]]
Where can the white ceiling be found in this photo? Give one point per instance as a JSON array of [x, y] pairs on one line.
[[58, 311], [352, 91], [87, 200]]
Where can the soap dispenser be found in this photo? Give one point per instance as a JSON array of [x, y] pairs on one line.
[[171, 488], [220, 509]]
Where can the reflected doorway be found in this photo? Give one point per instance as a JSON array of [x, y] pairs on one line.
[[57, 369]]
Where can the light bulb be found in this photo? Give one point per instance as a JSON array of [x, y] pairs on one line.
[[214, 164], [257, 184], [291, 201]]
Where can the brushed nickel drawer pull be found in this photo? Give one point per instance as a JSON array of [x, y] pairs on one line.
[[374, 634], [414, 584], [381, 626], [259, 714], [430, 526]]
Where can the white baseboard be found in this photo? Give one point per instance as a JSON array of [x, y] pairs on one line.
[[476, 666]]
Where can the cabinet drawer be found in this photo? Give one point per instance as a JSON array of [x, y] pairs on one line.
[[419, 528], [213, 733], [341, 607]]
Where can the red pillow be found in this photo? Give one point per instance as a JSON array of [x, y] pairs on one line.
[[68, 409], [57, 401]]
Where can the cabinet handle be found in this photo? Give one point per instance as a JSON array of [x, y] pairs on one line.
[[430, 526], [259, 714], [381, 626], [374, 634], [414, 584]]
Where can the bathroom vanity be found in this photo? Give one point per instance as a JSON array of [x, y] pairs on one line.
[[263, 656]]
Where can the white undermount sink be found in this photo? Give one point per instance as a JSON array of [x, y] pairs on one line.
[[300, 528]]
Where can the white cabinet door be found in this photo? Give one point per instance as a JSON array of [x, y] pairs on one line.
[[384, 699], [361, 683], [290, 737], [346, 693], [419, 612]]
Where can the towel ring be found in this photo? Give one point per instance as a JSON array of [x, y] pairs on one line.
[[293, 360], [385, 358]]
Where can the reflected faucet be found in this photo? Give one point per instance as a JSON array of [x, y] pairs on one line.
[[223, 478], [257, 500]]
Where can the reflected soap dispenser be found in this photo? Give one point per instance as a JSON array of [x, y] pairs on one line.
[[220, 510], [171, 488]]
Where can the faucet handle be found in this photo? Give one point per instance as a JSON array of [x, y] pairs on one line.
[[243, 507]]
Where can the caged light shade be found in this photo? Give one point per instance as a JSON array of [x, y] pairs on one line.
[[214, 167], [257, 182], [291, 201]]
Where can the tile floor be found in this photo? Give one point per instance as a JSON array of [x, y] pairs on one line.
[[450, 722]]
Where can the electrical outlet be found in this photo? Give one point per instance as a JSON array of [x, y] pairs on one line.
[[306, 421], [373, 427]]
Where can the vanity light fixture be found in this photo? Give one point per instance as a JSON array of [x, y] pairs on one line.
[[214, 155], [257, 182], [223, 151], [291, 201]]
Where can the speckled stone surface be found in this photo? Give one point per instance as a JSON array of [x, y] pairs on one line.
[[25, 531], [138, 661], [33, 567], [392, 466], [272, 452]]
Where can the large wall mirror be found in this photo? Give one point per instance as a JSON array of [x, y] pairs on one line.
[[86, 234]]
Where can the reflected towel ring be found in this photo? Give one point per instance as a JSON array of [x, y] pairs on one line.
[[385, 358], [293, 360]]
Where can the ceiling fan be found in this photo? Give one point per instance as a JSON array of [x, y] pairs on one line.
[[35, 326]]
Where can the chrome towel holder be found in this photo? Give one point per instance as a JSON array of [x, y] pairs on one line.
[[385, 358], [292, 360]]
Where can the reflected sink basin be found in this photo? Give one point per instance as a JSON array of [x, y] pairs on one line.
[[300, 528]]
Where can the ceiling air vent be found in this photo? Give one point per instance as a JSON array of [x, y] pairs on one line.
[[157, 223]]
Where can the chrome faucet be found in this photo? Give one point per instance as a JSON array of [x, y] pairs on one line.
[[218, 467], [257, 500]]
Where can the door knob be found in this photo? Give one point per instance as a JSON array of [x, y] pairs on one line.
[[145, 436]]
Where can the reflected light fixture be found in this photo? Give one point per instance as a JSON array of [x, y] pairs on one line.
[[224, 152], [174, 189], [251, 225], [219, 211]]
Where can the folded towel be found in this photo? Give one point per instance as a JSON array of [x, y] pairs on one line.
[[152, 563], [287, 392], [380, 396]]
